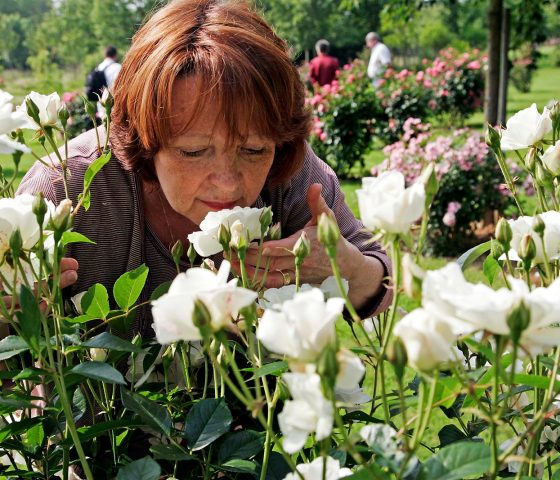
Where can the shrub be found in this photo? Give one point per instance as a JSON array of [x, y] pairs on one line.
[[524, 63], [470, 183], [79, 121], [457, 84], [345, 116], [349, 114]]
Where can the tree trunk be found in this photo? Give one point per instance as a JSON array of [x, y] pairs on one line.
[[493, 75], [504, 66]]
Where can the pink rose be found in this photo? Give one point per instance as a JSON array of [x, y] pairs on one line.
[[449, 219]]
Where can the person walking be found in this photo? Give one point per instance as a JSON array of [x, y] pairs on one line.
[[323, 68], [110, 66], [380, 57]]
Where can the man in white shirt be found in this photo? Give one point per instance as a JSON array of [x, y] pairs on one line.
[[110, 66], [380, 57]]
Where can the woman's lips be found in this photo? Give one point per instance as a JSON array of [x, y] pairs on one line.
[[219, 205]]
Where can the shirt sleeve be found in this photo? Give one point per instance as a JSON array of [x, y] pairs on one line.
[[371, 65], [385, 55], [296, 214]]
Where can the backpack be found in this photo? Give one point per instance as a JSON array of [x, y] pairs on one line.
[[95, 83]]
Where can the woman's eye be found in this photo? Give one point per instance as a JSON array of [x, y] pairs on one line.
[[253, 151], [191, 153]]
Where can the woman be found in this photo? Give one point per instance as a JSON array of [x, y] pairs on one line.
[[209, 113]]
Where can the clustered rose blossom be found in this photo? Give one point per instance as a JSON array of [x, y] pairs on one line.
[[409, 156], [174, 311], [247, 223], [308, 411], [452, 307], [524, 226], [302, 328]]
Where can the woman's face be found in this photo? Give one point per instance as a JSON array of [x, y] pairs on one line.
[[199, 171]]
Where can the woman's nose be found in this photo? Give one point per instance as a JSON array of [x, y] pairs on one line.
[[226, 175]]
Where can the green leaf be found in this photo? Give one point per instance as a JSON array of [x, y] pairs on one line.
[[93, 431], [469, 257], [457, 461], [78, 404], [173, 453], [35, 436], [29, 318], [18, 428], [95, 303], [242, 466], [129, 286], [12, 345], [449, 388], [490, 268], [274, 368], [74, 237], [99, 371], [537, 381], [160, 290], [152, 413], [208, 419], [278, 468], [111, 342], [144, 469], [450, 434], [90, 174], [31, 373], [243, 444], [80, 319], [370, 472]]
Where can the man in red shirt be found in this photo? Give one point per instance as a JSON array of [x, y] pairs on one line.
[[322, 68]]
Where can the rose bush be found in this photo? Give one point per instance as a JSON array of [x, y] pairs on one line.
[[470, 186], [243, 383], [350, 115]]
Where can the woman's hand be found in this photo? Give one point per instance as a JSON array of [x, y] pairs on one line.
[[68, 272], [68, 276], [364, 274]]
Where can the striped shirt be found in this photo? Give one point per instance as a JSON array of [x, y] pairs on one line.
[[124, 240]]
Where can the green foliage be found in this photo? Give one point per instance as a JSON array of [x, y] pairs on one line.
[[344, 121], [303, 22], [477, 192]]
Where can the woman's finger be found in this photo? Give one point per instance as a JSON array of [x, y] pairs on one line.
[[68, 263]]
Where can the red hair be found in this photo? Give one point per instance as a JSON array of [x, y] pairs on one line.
[[241, 63]]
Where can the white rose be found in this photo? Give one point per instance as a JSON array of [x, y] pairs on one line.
[[524, 225], [48, 106], [542, 333], [10, 121], [205, 241], [77, 301], [347, 387], [387, 205], [173, 312], [412, 276], [302, 327], [314, 470], [526, 128], [426, 339], [308, 412], [551, 159], [17, 214], [464, 306]]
